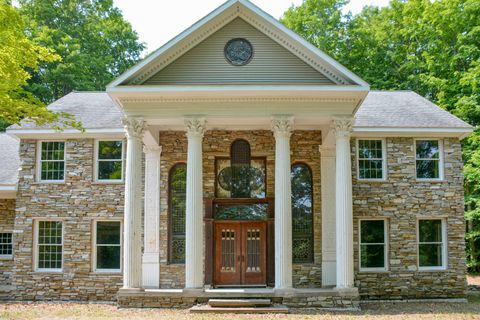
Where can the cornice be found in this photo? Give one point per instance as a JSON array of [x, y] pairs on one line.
[[233, 100]]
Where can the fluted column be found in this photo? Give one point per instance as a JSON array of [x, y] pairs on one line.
[[282, 130], [132, 248], [151, 224], [194, 215], [343, 203]]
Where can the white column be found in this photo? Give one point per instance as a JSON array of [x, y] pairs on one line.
[[327, 172], [343, 202], [194, 215], [132, 247], [282, 130], [151, 224]]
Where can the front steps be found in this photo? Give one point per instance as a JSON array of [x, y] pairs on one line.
[[239, 306]]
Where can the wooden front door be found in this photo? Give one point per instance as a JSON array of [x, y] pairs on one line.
[[240, 253]]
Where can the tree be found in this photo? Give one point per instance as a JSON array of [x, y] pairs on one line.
[[18, 55], [94, 41], [431, 47]]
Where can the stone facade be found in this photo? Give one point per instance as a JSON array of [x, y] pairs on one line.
[[401, 200], [7, 216]]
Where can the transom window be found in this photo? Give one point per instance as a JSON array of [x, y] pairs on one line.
[[52, 161], [302, 213], [108, 246], [109, 160], [371, 159], [6, 244], [373, 245], [49, 245], [177, 208], [428, 159], [431, 244]]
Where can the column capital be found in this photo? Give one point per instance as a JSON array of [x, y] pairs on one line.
[[196, 127], [134, 127], [282, 126], [342, 127], [148, 149]]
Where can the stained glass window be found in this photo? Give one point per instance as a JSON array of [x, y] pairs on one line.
[[302, 213], [177, 200]]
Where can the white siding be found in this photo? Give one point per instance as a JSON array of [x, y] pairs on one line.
[[206, 64]]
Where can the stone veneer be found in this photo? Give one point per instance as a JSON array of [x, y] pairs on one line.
[[77, 202], [7, 216], [401, 200]]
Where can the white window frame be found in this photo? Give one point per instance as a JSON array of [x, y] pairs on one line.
[[384, 159], [97, 160], [444, 243], [36, 245], [7, 256], [94, 246], [440, 159], [385, 244], [39, 161]]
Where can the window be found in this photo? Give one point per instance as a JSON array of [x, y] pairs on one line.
[[431, 244], [302, 213], [108, 247], [52, 161], [177, 206], [6, 244], [49, 245], [109, 160], [428, 159], [373, 245], [371, 159]]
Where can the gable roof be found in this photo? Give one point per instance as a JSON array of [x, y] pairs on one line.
[[218, 18], [9, 161]]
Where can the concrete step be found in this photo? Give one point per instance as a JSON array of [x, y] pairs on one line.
[[239, 303], [249, 310]]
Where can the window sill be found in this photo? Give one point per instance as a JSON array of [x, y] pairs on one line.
[[430, 180], [432, 269], [49, 271], [373, 180], [6, 257], [107, 272], [100, 182], [363, 271], [49, 182]]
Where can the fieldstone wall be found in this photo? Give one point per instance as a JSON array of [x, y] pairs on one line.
[[77, 202], [402, 200], [7, 216], [216, 143]]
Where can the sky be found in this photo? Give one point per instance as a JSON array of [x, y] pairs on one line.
[[158, 21]]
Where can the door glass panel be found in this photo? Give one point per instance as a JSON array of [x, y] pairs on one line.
[[253, 250], [228, 250], [257, 211]]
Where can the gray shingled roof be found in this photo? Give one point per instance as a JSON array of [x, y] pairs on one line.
[[9, 159], [95, 110], [395, 109]]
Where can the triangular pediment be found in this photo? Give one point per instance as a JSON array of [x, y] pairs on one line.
[[196, 56], [270, 63]]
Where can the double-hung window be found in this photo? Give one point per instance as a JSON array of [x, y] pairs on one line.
[[52, 161], [373, 245], [6, 245], [371, 159], [109, 160], [431, 244], [428, 159], [108, 246], [49, 245]]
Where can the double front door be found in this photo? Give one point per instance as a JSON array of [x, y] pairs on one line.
[[240, 253]]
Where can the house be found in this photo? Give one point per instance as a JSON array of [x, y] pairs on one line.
[[238, 160]]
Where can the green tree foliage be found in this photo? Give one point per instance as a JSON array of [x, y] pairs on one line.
[[92, 38], [431, 47], [18, 54]]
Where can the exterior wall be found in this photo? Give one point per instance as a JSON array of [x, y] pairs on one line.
[[7, 216], [402, 200], [77, 202], [304, 145]]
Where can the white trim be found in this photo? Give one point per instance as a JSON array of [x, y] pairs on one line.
[[96, 160], [385, 244], [384, 160], [444, 244], [38, 170], [67, 133], [439, 132], [94, 245], [36, 244], [440, 160]]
